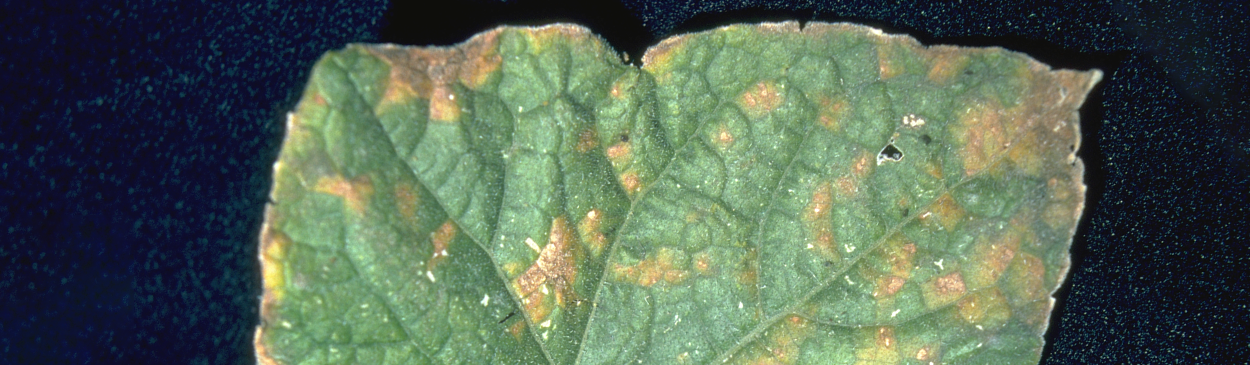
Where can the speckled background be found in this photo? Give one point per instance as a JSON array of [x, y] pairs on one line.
[[137, 140]]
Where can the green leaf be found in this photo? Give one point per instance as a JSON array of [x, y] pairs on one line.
[[752, 194]]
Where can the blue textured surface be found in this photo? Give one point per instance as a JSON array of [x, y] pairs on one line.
[[137, 141]]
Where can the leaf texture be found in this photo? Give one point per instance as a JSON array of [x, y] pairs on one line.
[[753, 194]]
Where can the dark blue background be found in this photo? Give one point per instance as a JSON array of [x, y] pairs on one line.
[[137, 140]]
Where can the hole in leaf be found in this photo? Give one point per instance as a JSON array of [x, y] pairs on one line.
[[624, 138], [889, 153]]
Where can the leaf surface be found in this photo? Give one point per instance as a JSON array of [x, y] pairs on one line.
[[752, 194]]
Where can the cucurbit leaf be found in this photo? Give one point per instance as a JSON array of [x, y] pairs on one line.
[[752, 194]]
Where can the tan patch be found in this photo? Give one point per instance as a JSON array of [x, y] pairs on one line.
[[927, 353], [1060, 215], [554, 266], [441, 238], [862, 166], [587, 140], [760, 99], [889, 63], [983, 135], [443, 105], [943, 289], [703, 263], [406, 202], [355, 192], [724, 139], [848, 186], [945, 64], [945, 211], [664, 265], [620, 153], [987, 309], [888, 285], [517, 330], [990, 259], [876, 346], [934, 168], [481, 60], [631, 182], [658, 59], [590, 231], [397, 92]]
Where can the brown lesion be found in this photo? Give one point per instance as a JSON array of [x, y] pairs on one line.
[[441, 239], [945, 63], [991, 255], [943, 289], [355, 191], [765, 96], [945, 212], [819, 225], [983, 135], [782, 344], [663, 266], [590, 230], [431, 72], [587, 140], [551, 276]]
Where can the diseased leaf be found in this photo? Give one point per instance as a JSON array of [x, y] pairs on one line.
[[752, 194]]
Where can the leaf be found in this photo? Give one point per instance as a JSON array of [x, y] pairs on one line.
[[752, 194]]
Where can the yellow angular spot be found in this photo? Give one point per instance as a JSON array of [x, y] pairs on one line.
[[987, 309], [274, 245], [590, 230], [760, 99], [943, 289], [945, 64], [1025, 278], [1027, 154], [443, 105], [876, 346], [481, 60], [990, 258], [889, 63], [665, 265], [440, 238], [397, 92], [945, 211], [982, 134], [355, 192]]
